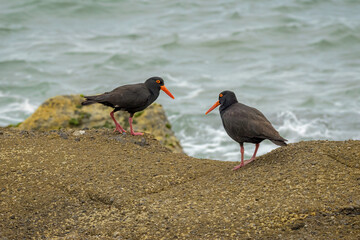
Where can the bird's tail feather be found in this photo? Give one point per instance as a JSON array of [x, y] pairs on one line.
[[90, 100], [280, 142]]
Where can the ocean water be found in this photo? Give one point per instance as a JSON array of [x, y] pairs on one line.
[[296, 61]]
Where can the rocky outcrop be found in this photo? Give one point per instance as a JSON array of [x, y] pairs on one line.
[[67, 112], [90, 184]]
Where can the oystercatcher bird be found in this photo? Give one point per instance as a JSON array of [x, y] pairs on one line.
[[131, 98], [245, 124]]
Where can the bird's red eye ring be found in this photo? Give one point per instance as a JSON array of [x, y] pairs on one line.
[[158, 81], [220, 95]]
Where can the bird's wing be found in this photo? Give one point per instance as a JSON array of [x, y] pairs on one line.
[[128, 96], [242, 121]]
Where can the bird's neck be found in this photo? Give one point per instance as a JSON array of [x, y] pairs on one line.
[[154, 93], [225, 105], [223, 108]]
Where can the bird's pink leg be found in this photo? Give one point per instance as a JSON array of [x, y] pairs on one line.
[[243, 163], [254, 155], [242, 157], [131, 128], [118, 127]]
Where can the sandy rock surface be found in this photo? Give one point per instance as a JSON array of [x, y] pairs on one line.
[[98, 184]]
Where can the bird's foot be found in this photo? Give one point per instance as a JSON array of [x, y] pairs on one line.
[[119, 129], [238, 166], [248, 161], [137, 133], [243, 164]]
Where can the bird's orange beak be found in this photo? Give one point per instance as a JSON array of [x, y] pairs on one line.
[[213, 107], [167, 91]]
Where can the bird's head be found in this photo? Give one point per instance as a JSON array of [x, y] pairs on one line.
[[226, 98], [158, 82]]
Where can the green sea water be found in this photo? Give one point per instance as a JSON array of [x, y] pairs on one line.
[[296, 61]]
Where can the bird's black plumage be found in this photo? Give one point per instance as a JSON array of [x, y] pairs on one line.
[[131, 98], [245, 124]]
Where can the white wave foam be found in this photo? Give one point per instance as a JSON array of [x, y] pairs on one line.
[[22, 105], [202, 143], [17, 110], [296, 129], [27, 106]]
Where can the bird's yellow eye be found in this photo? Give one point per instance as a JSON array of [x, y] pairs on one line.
[[158, 81], [220, 95]]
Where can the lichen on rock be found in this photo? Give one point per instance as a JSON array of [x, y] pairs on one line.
[[66, 111]]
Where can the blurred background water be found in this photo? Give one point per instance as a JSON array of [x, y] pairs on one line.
[[296, 61]]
